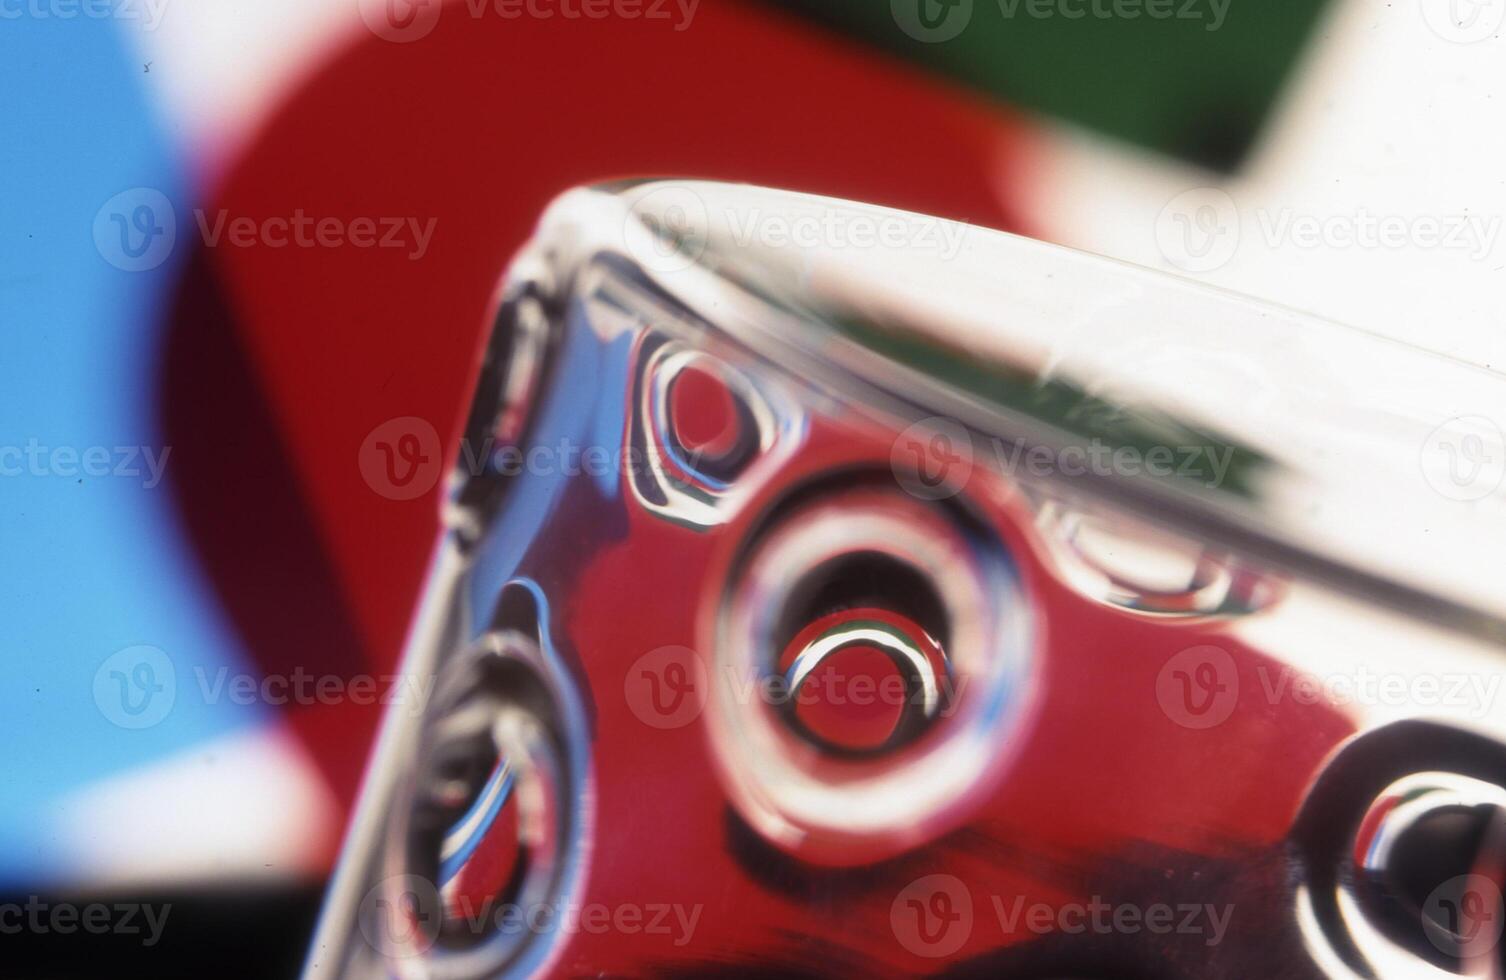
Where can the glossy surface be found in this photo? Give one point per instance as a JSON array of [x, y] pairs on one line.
[[1081, 750]]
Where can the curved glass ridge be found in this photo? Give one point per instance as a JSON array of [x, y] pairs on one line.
[[1312, 445]]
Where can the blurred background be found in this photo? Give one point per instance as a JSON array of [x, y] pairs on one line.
[[237, 239]]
